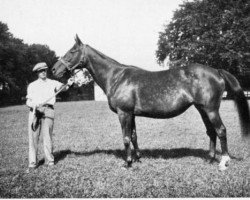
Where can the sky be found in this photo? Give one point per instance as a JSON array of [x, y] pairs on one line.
[[125, 30]]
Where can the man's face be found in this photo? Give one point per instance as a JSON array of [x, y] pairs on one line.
[[42, 74]]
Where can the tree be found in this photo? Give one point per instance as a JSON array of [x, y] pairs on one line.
[[210, 32], [16, 62], [7, 59]]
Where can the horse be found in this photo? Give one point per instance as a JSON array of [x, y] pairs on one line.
[[132, 91]]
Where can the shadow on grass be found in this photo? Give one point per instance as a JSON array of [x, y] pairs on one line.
[[146, 153], [60, 155]]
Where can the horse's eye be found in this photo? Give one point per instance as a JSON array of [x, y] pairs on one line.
[[74, 50]]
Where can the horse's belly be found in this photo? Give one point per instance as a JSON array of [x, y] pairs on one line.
[[162, 110]]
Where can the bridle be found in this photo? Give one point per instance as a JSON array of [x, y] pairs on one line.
[[82, 61]]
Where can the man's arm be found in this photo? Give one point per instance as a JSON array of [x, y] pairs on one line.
[[30, 102], [69, 83]]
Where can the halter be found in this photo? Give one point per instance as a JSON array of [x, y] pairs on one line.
[[81, 62], [68, 64]]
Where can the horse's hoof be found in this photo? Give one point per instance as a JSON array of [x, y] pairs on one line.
[[222, 168], [211, 160], [138, 154], [224, 163], [127, 164], [137, 160]]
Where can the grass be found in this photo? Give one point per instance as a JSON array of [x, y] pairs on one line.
[[89, 156]]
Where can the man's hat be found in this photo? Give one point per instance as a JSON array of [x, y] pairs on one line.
[[40, 66]]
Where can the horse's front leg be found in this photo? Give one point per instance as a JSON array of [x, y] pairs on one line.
[[125, 119], [134, 140]]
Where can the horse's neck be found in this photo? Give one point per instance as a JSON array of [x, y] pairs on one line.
[[102, 68]]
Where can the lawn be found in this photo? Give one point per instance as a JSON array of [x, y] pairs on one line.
[[89, 155]]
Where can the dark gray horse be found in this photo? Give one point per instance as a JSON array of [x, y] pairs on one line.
[[132, 91]]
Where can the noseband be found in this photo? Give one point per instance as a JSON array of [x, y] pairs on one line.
[[68, 64]]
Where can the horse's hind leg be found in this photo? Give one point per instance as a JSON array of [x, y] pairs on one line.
[[220, 130], [210, 132], [134, 140], [126, 124]]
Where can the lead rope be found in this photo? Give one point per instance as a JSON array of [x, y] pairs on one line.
[[62, 88]]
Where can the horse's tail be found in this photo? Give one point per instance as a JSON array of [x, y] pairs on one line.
[[233, 87]]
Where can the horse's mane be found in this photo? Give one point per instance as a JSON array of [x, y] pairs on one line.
[[110, 59], [104, 56]]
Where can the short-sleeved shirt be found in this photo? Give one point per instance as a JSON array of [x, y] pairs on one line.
[[40, 91]]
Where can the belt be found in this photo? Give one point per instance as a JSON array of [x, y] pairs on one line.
[[46, 105]]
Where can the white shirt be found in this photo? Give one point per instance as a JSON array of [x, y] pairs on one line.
[[40, 91]]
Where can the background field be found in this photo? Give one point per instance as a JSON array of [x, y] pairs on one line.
[[89, 156]]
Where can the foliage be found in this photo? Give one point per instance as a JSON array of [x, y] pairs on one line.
[[211, 32], [16, 62]]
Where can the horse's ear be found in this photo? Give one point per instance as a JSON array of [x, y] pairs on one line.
[[78, 41]]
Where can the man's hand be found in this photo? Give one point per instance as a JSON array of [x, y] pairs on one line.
[[34, 105], [40, 110], [70, 81]]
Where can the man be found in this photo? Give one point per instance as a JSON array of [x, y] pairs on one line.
[[39, 92]]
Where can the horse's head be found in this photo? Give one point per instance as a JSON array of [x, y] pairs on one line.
[[71, 60]]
